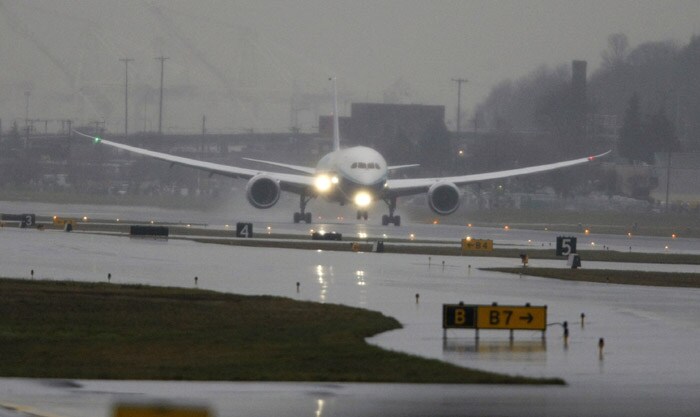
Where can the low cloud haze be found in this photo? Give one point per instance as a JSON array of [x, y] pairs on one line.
[[264, 65]]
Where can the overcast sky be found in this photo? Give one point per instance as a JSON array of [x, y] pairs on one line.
[[241, 62]]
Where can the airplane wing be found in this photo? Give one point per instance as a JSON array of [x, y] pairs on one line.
[[398, 167], [404, 187], [288, 182], [308, 170]]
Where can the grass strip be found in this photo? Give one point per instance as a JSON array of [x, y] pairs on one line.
[[65, 329], [404, 246], [586, 255], [607, 276]]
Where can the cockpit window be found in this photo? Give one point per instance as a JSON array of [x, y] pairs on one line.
[[365, 165]]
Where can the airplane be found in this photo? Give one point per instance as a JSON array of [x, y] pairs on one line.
[[358, 175]]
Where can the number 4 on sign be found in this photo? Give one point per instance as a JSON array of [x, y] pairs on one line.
[[244, 229]]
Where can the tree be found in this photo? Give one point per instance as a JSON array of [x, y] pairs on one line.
[[659, 135], [616, 53], [631, 132], [641, 137]]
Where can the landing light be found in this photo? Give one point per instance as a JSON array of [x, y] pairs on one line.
[[363, 199], [323, 183]]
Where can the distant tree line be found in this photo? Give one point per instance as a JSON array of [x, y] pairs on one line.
[[654, 89]]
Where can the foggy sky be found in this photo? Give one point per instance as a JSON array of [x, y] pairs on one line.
[[240, 62]]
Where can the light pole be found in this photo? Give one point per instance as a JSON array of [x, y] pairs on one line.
[[160, 107], [126, 95], [668, 176], [26, 118], [459, 82]]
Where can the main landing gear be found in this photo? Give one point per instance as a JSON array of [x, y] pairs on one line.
[[386, 220], [362, 214], [303, 215]]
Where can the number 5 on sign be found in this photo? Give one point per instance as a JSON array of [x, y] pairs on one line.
[[566, 246]]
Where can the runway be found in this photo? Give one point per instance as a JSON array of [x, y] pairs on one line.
[[648, 367]]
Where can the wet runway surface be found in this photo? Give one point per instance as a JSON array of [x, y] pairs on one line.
[[649, 364]]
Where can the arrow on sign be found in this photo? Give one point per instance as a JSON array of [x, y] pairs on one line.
[[527, 318]]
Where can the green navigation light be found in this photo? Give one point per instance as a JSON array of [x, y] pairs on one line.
[[97, 140]]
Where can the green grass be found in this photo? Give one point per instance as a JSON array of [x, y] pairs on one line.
[[51, 329], [395, 245], [658, 279], [600, 222], [586, 255]]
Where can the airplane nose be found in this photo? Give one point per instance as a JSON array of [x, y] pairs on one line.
[[368, 178]]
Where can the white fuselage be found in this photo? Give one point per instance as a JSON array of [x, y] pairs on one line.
[[354, 170]]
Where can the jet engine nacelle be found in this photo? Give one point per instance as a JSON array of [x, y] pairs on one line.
[[262, 191], [443, 198]]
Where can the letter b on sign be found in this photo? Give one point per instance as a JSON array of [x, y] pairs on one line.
[[244, 229]]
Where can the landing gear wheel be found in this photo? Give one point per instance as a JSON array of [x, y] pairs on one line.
[[386, 220], [302, 216], [359, 215], [365, 214]]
